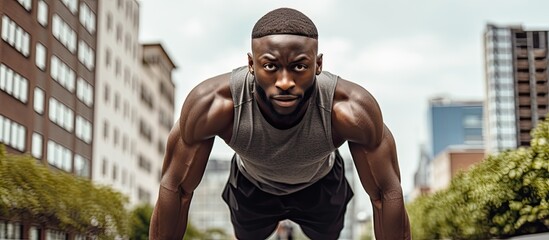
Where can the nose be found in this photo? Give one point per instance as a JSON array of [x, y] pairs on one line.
[[285, 81]]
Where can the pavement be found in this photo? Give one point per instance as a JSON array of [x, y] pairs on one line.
[[538, 236]]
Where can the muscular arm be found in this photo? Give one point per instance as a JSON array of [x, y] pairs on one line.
[[379, 174], [357, 119], [184, 165], [207, 112]]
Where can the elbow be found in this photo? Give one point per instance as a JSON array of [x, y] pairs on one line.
[[392, 194]]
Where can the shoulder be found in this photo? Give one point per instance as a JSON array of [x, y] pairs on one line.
[[207, 110], [356, 115]]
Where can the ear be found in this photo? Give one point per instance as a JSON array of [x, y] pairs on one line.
[[250, 63], [319, 64]]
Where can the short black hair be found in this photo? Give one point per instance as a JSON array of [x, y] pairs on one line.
[[284, 21]]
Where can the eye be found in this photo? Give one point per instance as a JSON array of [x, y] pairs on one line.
[[269, 67], [300, 67]]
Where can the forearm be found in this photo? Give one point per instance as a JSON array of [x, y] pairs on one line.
[[169, 219], [390, 218]]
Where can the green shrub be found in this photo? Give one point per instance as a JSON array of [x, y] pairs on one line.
[[29, 191], [505, 195]]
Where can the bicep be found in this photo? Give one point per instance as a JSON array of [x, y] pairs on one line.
[[378, 166], [184, 163]]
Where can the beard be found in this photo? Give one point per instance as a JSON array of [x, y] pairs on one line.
[[303, 99]]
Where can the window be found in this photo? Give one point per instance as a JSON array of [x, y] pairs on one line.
[[108, 57], [86, 55], [118, 32], [116, 101], [472, 121], [84, 92], [107, 93], [81, 166], [38, 100], [104, 167], [13, 84], [15, 36], [72, 5], [83, 129], [115, 137], [59, 156], [55, 235], [40, 56], [10, 230], [109, 21], [117, 67], [60, 114], [87, 18], [64, 33], [114, 172], [62, 73], [12, 134], [42, 15], [124, 143], [143, 195], [105, 129], [37, 142], [27, 4]]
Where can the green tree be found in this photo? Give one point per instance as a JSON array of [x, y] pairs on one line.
[[505, 195], [140, 219], [30, 191]]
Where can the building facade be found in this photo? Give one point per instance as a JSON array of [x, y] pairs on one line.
[[81, 94], [516, 85], [453, 122], [452, 161], [154, 119], [134, 107], [117, 95], [47, 79]]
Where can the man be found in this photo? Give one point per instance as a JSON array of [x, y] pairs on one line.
[[285, 118]]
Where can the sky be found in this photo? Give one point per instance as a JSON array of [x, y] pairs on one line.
[[403, 52]]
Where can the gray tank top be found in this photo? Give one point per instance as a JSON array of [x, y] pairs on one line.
[[278, 161]]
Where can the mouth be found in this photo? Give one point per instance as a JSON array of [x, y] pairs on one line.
[[285, 101]]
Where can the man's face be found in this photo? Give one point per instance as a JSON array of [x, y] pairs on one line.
[[284, 67]]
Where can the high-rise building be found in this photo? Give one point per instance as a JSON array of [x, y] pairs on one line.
[[453, 122], [516, 85], [154, 118], [117, 96], [134, 104], [80, 93], [47, 80]]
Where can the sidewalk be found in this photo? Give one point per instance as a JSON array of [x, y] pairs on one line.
[[538, 236]]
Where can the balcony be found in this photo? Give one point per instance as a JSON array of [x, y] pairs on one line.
[[521, 53], [525, 112], [525, 137], [523, 88], [523, 76], [540, 53], [521, 64], [542, 101], [541, 64], [542, 76], [524, 101], [525, 125], [541, 89]]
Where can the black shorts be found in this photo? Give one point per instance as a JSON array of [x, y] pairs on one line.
[[319, 209]]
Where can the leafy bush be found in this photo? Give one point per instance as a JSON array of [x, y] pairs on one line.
[[30, 191], [505, 195]]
